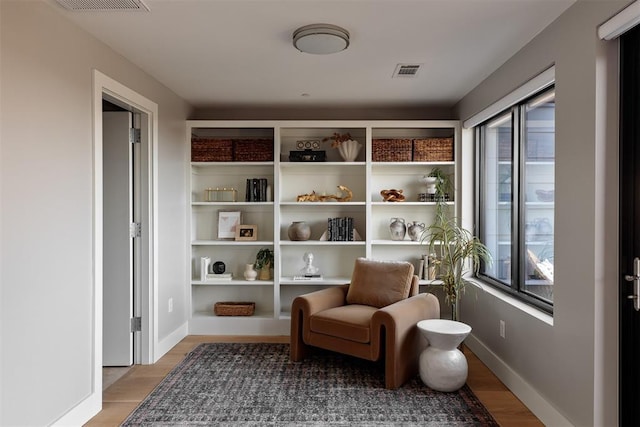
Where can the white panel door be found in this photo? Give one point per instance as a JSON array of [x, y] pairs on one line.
[[118, 245]]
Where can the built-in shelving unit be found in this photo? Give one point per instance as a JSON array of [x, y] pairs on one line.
[[287, 179]]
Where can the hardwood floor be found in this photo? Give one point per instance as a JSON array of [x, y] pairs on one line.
[[121, 398]]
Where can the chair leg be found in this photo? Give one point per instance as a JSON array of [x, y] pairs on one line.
[[298, 349]]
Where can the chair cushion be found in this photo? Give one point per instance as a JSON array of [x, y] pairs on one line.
[[379, 283], [350, 322]]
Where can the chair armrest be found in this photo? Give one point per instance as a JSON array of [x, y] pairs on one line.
[[324, 299], [397, 324]]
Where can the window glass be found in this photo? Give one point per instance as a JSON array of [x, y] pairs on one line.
[[516, 198]]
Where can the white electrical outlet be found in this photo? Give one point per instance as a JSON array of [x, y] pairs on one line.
[[170, 305], [502, 328]]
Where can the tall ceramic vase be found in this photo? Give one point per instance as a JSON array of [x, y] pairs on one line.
[[349, 150], [249, 272]]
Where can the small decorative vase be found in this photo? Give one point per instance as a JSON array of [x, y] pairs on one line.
[[249, 272], [265, 272], [430, 182], [415, 230], [397, 228], [349, 150], [298, 231]]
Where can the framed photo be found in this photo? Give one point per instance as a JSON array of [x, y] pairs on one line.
[[247, 232], [228, 222]]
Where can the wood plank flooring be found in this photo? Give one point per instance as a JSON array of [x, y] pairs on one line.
[[121, 398]]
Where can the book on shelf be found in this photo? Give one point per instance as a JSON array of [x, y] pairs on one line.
[[221, 276], [308, 277], [340, 229], [256, 190]]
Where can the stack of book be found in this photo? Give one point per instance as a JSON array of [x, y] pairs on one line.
[[256, 190], [340, 229], [221, 276]]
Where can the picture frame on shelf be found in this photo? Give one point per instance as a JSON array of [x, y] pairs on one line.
[[228, 222], [246, 232]]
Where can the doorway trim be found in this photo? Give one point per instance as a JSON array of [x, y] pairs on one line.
[[104, 86]]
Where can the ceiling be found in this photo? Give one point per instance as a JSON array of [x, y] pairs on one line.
[[239, 53]]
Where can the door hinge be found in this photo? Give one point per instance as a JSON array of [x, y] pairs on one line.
[[135, 229], [136, 324], [134, 136]]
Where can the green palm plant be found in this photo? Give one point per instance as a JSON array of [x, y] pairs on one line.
[[458, 250]]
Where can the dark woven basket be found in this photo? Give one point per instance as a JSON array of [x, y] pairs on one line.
[[233, 308], [433, 150], [253, 150], [211, 150], [391, 150]]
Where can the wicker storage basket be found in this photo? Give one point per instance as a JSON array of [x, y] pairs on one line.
[[211, 150], [391, 150], [233, 308], [253, 150], [433, 150]]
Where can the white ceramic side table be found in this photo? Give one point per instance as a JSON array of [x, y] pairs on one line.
[[442, 366]]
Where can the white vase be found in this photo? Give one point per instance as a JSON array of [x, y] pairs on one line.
[[249, 272], [349, 150]]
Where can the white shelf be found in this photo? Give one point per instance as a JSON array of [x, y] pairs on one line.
[[232, 243], [233, 282], [288, 180]]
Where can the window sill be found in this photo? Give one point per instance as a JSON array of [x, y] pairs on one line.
[[514, 302]]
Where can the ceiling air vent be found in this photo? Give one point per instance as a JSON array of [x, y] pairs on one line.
[[104, 5], [407, 70]]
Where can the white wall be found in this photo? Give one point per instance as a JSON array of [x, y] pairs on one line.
[[46, 196], [565, 370]]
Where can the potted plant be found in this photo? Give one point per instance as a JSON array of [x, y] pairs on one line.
[[264, 261], [457, 250], [442, 184]]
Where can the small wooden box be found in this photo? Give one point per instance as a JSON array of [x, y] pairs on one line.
[[234, 308], [391, 150], [433, 150]]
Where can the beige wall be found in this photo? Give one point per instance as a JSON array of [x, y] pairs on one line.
[[46, 197], [569, 364]]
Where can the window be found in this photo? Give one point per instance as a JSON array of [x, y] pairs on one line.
[[516, 163]]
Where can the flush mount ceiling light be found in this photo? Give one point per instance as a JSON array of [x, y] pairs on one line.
[[321, 39]]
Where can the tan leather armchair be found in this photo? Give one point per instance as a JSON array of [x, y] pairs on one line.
[[376, 313]]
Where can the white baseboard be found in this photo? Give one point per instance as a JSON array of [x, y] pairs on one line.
[[171, 340], [82, 412], [540, 407]]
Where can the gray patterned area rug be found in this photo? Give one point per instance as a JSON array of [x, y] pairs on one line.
[[245, 384]]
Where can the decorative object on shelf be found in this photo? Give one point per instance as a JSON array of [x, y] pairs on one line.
[[398, 228], [442, 185], [433, 266], [391, 150], [218, 267], [308, 152], [415, 230], [314, 197], [430, 182], [227, 223], [221, 194], [347, 147], [234, 308], [264, 261], [211, 150], [545, 195], [205, 261], [249, 272], [246, 232], [309, 270], [433, 150], [253, 150], [392, 195], [299, 231]]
